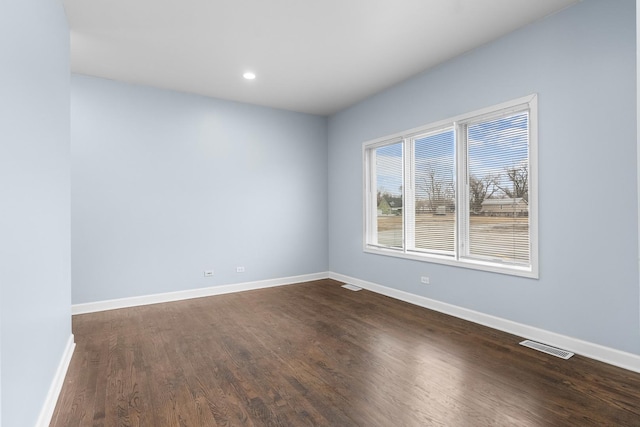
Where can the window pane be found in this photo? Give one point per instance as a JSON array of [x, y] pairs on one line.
[[498, 154], [435, 192], [388, 161]]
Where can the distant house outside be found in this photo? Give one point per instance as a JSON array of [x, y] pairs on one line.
[[499, 207], [390, 206]]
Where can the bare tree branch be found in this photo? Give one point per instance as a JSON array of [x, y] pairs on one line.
[[481, 189]]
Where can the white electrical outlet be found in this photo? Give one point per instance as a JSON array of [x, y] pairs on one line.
[[208, 273], [424, 280], [239, 269]]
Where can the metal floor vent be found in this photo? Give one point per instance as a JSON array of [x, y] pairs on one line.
[[352, 287], [558, 352]]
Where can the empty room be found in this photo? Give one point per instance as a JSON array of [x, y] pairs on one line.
[[323, 213]]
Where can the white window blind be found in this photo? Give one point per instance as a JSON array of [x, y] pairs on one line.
[[435, 191], [389, 197], [498, 173]]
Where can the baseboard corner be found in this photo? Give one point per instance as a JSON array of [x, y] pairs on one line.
[[56, 385]]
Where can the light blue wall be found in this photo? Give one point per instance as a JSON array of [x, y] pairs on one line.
[[581, 62], [166, 185], [35, 277]]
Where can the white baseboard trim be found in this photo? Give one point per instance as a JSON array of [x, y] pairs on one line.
[[598, 352], [591, 350], [113, 304], [56, 385]]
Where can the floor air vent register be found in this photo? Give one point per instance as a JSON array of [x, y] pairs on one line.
[[558, 352]]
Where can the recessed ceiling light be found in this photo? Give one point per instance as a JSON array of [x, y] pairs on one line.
[[249, 75]]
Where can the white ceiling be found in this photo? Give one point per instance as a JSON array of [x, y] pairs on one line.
[[313, 56]]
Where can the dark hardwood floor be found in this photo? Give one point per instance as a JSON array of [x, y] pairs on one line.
[[317, 354]]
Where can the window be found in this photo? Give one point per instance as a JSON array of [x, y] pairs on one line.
[[460, 192]]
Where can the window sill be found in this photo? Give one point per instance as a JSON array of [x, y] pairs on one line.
[[511, 270]]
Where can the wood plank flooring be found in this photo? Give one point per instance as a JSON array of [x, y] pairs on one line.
[[315, 354]]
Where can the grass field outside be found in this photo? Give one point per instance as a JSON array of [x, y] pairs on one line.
[[502, 237]]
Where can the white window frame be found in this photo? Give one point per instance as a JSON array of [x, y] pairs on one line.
[[458, 123]]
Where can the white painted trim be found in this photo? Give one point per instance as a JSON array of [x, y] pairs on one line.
[[594, 351], [113, 304], [441, 124], [474, 264], [56, 385], [638, 132]]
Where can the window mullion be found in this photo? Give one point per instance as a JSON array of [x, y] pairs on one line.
[[462, 203], [409, 208]]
